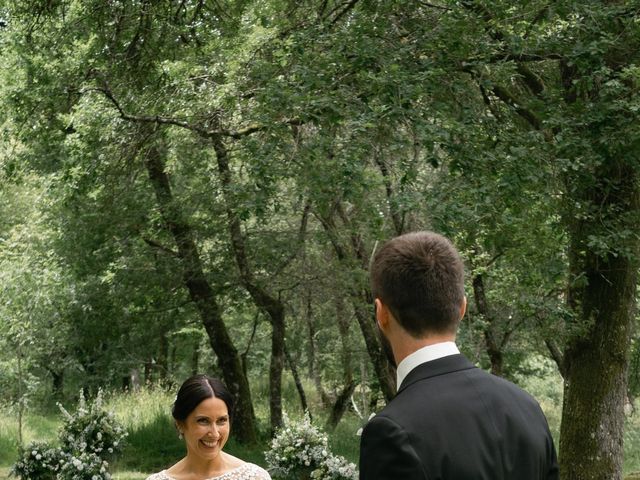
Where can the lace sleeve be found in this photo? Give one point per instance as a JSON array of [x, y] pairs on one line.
[[247, 471], [158, 476]]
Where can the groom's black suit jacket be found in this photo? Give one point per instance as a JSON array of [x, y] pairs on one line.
[[453, 421]]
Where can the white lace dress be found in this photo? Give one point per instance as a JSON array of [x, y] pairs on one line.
[[246, 471]]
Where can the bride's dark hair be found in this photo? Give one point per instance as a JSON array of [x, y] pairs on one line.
[[194, 390]]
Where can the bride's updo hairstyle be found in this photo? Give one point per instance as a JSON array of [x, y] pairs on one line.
[[194, 390]]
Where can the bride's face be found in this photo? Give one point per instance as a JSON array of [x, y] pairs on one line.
[[206, 429]]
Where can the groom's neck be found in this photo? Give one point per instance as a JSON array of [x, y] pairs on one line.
[[405, 344]]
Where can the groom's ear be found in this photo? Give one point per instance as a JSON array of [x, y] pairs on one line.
[[382, 314], [463, 307]]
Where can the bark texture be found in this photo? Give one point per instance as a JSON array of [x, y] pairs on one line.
[[492, 344], [602, 298], [203, 297], [352, 254], [263, 299]]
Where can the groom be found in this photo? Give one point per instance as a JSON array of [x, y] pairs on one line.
[[449, 419]]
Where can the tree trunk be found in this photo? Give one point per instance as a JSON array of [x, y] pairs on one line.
[[57, 382], [298, 382], [276, 367], [172, 360], [134, 374], [494, 349], [21, 394], [314, 370], [382, 367], [148, 370], [204, 298], [162, 364], [361, 297], [195, 358], [272, 305], [349, 384], [340, 406], [601, 296]]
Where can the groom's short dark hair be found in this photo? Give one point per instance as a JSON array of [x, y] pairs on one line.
[[419, 276]]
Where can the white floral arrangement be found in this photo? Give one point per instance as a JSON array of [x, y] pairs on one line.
[[87, 438], [91, 429], [85, 466], [300, 450], [38, 460]]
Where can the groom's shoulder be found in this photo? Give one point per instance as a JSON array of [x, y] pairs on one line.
[[450, 381]]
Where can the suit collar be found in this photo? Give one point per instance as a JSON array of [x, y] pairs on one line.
[[441, 366], [425, 354]]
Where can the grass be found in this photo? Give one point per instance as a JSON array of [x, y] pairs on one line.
[[35, 427], [344, 440], [632, 445], [152, 444]]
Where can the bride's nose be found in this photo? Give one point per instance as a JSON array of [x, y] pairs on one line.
[[214, 431]]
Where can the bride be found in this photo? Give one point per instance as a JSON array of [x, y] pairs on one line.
[[203, 413]]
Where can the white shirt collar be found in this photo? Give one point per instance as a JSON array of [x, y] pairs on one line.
[[425, 354]]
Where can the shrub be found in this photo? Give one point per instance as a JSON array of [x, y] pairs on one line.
[[87, 438], [38, 461], [300, 450], [85, 466], [91, 429]]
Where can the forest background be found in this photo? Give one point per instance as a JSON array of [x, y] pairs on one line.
[[199, 185]]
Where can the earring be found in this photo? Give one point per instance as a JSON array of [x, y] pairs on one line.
[[180, 435]]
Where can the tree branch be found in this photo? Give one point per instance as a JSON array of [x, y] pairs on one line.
[[159, 246], [431, 5], [539, 16], [517, 57], [299, 241], [506, 96], [343, 12], [556, 354], [160, 120], [531, 80]]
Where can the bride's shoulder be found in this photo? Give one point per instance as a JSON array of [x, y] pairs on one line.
[[241, 470], [251, 471], [159, 476]]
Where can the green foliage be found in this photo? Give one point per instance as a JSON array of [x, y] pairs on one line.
[[345, 124]]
